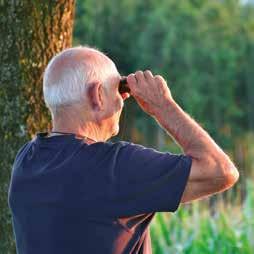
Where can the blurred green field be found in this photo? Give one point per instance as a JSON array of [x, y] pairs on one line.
[[194, 230]]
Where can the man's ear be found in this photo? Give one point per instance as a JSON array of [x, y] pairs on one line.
[[95, 95]]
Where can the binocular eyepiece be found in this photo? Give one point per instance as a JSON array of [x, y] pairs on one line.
[[123, 88]]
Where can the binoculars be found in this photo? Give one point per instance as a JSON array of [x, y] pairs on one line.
[[123, 88]]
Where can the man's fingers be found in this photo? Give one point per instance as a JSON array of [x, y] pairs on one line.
[[140, 76], [131, 79], [132, 83], [142, 80], [159, 78], [148, 75]]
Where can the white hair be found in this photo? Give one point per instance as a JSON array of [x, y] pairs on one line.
[[68, 74]]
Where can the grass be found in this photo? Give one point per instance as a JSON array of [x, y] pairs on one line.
[[193, 230]]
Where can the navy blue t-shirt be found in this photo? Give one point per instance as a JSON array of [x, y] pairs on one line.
[[70, 197]]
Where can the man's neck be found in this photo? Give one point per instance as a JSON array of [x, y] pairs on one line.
[[85, 138], [93, 133]]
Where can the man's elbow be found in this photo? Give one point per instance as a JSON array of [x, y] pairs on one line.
[[230, 176]]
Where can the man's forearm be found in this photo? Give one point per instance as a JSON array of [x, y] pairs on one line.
[[193, 139], [211, 169]]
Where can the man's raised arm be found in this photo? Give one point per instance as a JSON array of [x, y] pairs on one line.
[[212, 171]]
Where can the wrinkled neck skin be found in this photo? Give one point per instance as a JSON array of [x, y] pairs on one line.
[[82, 124]]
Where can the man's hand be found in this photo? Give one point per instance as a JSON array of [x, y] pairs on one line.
[[149, 91]]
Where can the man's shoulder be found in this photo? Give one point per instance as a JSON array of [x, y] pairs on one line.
[[133, 146], [23, 148], [113, 145], [128, 145], [121, 143]]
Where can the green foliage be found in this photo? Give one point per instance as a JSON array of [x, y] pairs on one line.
[[194, 230], [204, 49]]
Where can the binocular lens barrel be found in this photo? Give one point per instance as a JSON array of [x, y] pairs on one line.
[[123, 88]]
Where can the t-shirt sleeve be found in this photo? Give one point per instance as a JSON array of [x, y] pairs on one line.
[[147, 180]]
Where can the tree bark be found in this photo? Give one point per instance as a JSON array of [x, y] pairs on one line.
[[31, 33]]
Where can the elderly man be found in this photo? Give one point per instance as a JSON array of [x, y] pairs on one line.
[[74, 192]]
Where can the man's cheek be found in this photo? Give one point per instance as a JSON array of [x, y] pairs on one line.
[[119, 103]]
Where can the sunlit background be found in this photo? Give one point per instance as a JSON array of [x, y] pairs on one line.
[[205, 50]]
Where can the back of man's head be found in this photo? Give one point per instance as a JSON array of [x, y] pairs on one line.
[[68, 74]]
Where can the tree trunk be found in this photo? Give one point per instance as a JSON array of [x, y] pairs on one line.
[[31, 33]]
